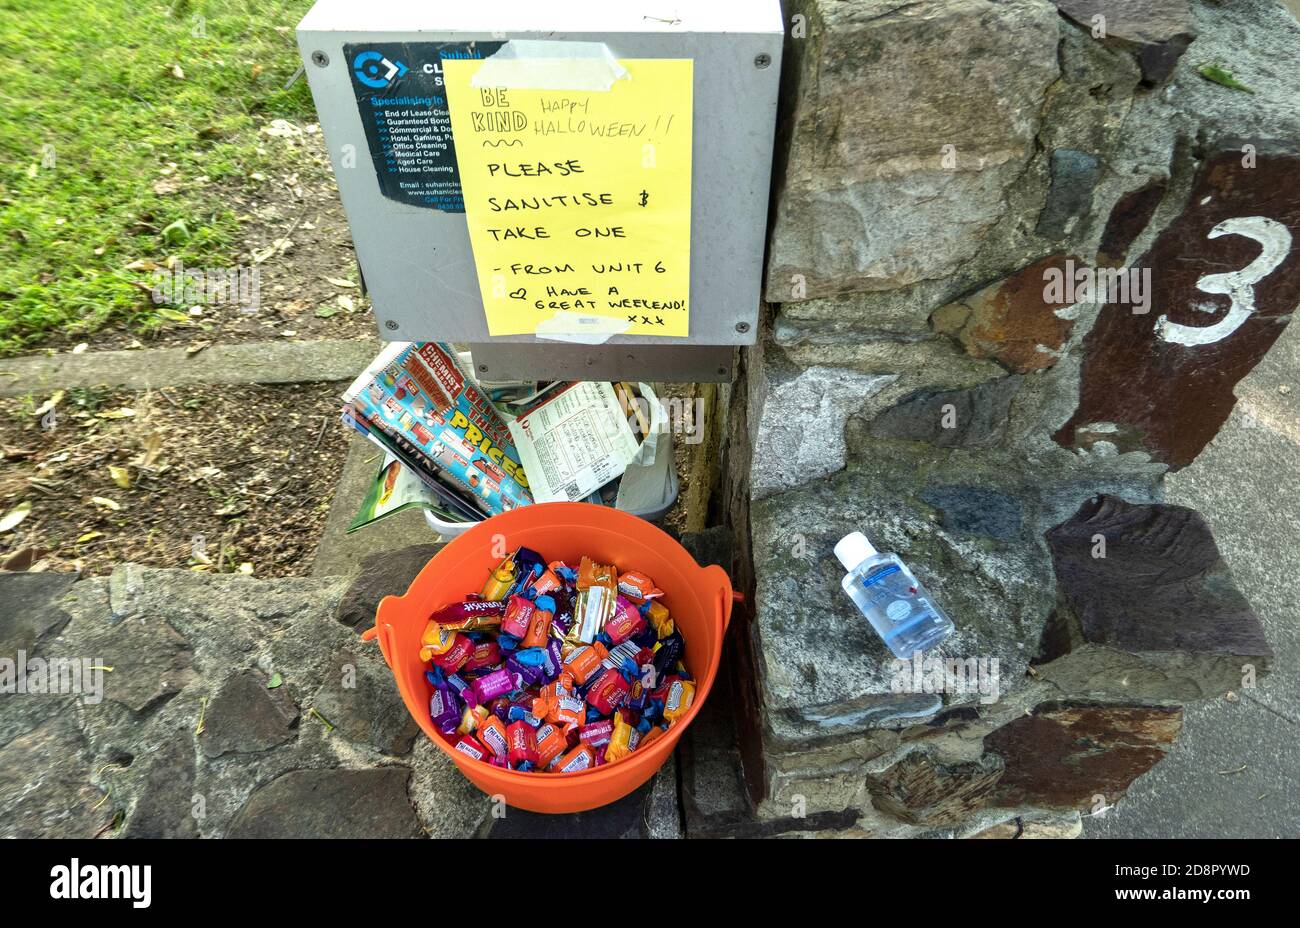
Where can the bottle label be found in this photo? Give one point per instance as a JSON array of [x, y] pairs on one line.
[[898, 610], [880, 575]]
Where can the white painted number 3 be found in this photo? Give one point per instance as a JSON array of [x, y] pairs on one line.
[[1236, 285]]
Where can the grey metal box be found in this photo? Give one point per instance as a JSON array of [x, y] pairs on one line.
[[417, 261]]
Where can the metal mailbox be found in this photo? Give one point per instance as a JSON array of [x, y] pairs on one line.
[[377, 72]]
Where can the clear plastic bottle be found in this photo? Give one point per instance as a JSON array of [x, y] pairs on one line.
[[889, 595]]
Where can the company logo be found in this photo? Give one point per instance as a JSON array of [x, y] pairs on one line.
[[374, 70]]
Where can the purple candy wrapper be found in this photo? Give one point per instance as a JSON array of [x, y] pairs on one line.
[[445, 709], [489, 686]]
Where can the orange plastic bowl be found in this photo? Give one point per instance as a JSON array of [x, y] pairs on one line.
[[699, 599]]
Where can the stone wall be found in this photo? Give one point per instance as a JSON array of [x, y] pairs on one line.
[[951, 366]]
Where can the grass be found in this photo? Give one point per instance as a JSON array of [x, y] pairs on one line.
[[100, 100]]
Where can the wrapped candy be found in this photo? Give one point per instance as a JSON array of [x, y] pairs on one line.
[[445, 708], [522, 741], [678, 699], [518, 615], [526, 667], [657, 614], [469, 615], [456, 655], [546, 582], [596, 734], [539, 625], [559, 705], [623, 740], [625, 623], [585, 661], [468, 744], [551, 743], [435, 640], [489, 686], [531, 564], [668, 653], [608, 692], [492, 734], [563, 621], [597, 591], [471, 718], [501, 580], [580, 758], [485, 654], [637, 587]]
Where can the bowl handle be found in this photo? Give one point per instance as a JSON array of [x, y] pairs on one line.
[[383, 630], [716, 578]]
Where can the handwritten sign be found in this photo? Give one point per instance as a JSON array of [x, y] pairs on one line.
[[579, 201]]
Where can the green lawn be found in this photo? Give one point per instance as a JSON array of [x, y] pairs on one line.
[[97, 99]]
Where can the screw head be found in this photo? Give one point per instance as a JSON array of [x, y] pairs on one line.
[[722, 371], [390, 324], [482, 368], [320, 59], [762, 61], [742, 327]]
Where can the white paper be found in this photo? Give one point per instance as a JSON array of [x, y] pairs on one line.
[[575, 442]]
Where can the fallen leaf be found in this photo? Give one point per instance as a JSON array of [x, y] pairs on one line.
[[15, 516], [195, 348], [345, 303], [103, 502], [49, 404], [1222, 76], [246, 569], [81, 348], [122, 412], [152, 448], [177, 72], [176, 233], [325, 311], [121, 476], [279, 246], [172, 314], [88, 536], [340, 282], [275, 681], [289, 333], [281, 128], [142, 264]]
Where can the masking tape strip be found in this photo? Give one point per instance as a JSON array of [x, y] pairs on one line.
[[536, 64], [580, 329]]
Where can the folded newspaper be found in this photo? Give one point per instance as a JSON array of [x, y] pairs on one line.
[[417, 403]]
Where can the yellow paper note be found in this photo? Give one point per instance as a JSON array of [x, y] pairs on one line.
[[579, 201]]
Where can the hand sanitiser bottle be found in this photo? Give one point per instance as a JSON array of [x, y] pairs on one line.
[[890, 596]]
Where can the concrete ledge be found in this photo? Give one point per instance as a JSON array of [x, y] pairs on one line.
[[279, 361]]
